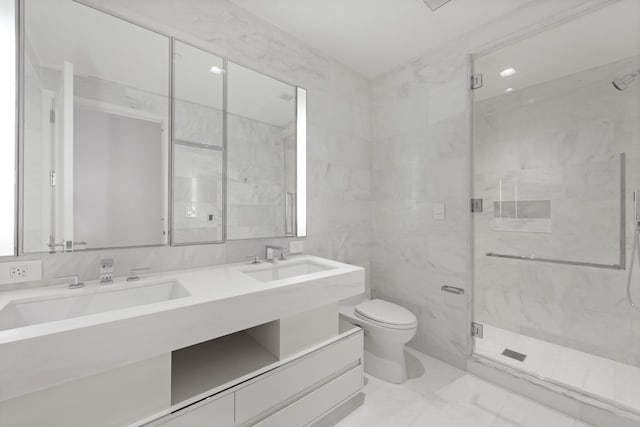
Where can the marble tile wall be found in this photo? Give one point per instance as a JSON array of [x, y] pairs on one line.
[[338, 138], [420, 115], [255, 178], [420, 157], [565, 147]]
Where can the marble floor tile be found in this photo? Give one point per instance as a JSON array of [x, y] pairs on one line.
[[600, 377], [439, 395]]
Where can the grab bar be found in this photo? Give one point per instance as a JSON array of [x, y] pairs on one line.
[[452, 290], [556, 261]]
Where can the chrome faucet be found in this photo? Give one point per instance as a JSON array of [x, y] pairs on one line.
[[270, 252], [74, 281], [135, 273]]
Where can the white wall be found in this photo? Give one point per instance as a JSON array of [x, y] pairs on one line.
[[420, 157]]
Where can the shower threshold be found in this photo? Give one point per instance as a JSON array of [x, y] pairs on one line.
[[605, 380]]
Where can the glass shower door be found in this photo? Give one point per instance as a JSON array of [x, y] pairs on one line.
[[556, 158]]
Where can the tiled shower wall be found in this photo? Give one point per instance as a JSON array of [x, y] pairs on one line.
[[560, 141], [338, 138]]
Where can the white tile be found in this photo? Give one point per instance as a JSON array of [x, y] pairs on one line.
[[440, 395]]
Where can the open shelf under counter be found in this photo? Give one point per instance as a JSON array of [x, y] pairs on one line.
[[223, 364], [207, 366]]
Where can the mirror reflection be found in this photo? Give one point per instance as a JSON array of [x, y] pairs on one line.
[[96, 117], [261, 159], [199, 146]]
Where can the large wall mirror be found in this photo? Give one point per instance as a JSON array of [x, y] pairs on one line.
[[133, 138], [261, 169], [96, 120], [198, 162]]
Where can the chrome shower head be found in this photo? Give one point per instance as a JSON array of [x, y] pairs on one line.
[[623, 82], [435, 4]]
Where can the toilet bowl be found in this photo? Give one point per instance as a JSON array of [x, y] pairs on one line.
[[387, 328]]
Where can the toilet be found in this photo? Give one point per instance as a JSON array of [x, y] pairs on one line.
[[387, 328]]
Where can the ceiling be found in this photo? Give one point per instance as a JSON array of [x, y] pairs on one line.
[[604, 36], [374, 36]]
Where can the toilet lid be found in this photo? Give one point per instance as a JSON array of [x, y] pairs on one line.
[[385, 312]]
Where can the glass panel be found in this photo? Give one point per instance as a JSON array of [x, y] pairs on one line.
[[96, 121], [198, 80], [556, 160], [7, 127], [198, 182], [197, 195], [261, 125]]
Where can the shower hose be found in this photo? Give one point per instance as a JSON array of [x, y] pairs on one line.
[[635, 251]]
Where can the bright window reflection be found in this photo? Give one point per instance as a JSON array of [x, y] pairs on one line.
[[7, 127]]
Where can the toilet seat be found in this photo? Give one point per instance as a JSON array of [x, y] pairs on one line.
[[385, 314]]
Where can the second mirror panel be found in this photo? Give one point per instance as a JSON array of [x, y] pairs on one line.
[[261, 127], [198, 156]]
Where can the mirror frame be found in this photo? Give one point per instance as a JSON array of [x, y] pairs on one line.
[[301, 139]]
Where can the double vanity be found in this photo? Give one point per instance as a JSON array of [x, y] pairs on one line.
[[235, 344]]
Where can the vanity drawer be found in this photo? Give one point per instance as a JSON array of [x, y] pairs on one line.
[[286, 382], [316, 403], [218, 412]]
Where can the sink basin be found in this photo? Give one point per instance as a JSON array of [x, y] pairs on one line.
[[77, 303], [287, 269]]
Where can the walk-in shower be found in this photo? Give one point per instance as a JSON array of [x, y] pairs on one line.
[[555, 161]]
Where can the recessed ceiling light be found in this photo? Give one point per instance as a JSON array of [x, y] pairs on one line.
[[509, 89], [507, 72], [215, 70]]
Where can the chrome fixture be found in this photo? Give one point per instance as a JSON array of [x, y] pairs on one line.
[[271, 251], [452, 290], [255, 259], [635, 250], [106, 271], [435, 4], [74, 283], [623, 82], [135, 273]]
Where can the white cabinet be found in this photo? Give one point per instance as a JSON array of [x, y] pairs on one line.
[[214, 412], [231, 383], [286, 382], [318, 402]]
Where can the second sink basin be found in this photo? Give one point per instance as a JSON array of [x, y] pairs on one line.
[[77, 303], [287, 269]]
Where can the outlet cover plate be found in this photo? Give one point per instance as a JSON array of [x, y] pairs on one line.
[[439, 211], [296, 246], [23, 271]]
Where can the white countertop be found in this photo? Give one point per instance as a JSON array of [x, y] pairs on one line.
[[222, 300]]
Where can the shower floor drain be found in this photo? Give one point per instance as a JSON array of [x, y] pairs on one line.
[[514, 355]]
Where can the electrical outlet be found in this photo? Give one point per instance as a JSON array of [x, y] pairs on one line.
[[439, 211], [106, 270], [20, 271], [296, 246]]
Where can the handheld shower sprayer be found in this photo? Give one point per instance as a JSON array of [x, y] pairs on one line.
[[621, 83]]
